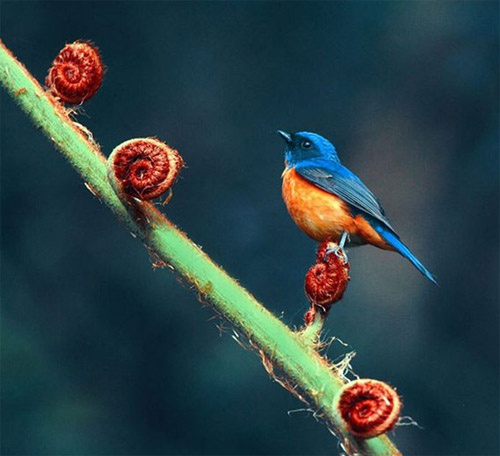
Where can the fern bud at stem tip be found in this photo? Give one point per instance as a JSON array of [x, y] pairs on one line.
[[326, 280], [145, 168], [76, 73], [368, 407]]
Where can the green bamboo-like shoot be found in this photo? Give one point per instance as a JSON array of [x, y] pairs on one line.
[[305, 370]]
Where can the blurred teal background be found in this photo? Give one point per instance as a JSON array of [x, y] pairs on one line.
[[101, 355]]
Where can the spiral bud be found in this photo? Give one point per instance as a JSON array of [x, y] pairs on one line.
[[76, 73], [326, 282], [145, 168], [368, 407]]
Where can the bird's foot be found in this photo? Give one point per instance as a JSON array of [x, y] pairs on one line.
[[338, 251]]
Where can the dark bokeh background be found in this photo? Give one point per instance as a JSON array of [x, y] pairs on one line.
[[103, 355]]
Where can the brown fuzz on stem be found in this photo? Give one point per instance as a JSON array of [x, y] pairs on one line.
[[326, 281], [76, 73], [145, 168], [368, 407]]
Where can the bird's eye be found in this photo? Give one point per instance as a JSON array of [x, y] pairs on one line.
[[306, 145]]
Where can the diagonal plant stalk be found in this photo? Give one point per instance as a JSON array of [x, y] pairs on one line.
[[280, 347]]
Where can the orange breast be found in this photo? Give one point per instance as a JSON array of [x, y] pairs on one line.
[[322, 215], [316, 212]]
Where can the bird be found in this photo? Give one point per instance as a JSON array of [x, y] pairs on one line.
[[329, 202]]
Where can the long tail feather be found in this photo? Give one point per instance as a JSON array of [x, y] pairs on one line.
[[393, 240]]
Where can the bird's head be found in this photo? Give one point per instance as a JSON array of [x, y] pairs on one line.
[[304, 145]]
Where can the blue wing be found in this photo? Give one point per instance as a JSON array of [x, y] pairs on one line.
[[337, 179]]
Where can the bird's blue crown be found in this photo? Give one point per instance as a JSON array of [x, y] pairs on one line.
[[305, 145]]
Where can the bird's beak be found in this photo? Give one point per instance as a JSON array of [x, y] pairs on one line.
[[286, 136]]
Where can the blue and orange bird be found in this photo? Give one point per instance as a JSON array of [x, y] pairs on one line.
[[328, 201]]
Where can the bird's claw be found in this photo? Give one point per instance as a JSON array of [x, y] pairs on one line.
[[338, 250], [339, 253]]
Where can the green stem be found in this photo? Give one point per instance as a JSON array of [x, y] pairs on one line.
[[285, 349]]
